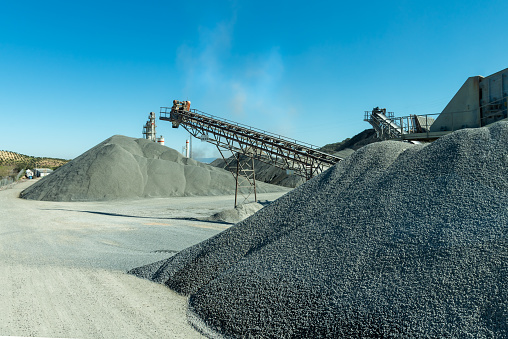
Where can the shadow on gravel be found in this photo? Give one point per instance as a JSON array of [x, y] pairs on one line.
[[165, 251], [139, 217]]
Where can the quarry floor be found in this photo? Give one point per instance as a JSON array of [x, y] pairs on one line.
[[62, 265]]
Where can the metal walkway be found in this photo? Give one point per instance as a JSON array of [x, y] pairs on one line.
[[296, 157]]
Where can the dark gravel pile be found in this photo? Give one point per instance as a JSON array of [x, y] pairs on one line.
[[121, 167], [398, 240], [350, 145]]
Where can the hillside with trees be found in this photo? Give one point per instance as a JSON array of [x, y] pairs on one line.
[[11, 163]]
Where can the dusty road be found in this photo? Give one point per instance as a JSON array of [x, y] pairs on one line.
[[62, 265]]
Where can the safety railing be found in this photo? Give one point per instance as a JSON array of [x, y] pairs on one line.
[[166, 111]]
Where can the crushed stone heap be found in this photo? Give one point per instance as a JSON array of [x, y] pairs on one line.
[[398, 240], [236, 214], [121, 167]]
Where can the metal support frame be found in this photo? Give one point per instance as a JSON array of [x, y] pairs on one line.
[[304, 159], [245, 181], [245, 176]]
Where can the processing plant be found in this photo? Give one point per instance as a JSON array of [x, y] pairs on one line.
[[480, 101]]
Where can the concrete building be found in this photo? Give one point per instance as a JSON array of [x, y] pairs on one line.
[[479, 102]]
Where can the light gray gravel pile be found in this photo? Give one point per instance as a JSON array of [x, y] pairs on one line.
[[236, 214], [121, 167], [398, 240]]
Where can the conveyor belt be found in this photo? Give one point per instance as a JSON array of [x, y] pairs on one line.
[[384, 126], [302, 158]]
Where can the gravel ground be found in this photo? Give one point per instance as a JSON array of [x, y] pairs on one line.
[[398, 240], [62, 264]]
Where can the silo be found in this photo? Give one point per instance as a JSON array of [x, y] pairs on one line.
[[161, 140]]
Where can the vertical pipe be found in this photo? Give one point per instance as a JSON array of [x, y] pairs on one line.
[[187, 148], [153, 136], [237, 174], [427, 124], [254, 180]]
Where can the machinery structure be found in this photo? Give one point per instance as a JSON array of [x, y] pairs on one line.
[[479, 102], [295, 156], [149, 130]]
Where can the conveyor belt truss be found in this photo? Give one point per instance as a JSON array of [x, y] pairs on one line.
[[298, 157], [383, 124]]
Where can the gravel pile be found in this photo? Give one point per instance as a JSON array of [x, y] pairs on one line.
[[236, 214], [398, 240], [122, 167]]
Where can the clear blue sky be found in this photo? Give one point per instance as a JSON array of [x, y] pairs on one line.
[[73, 73]]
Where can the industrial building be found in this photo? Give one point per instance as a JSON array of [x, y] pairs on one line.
[[42, 172], [479, 102], [149, 130]]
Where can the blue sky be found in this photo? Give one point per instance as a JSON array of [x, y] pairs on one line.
[[75, 73]]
